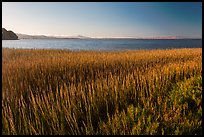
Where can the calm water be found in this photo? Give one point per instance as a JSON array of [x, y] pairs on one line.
[[101, 44]]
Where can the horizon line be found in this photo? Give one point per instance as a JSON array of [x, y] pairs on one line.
[[123, 37]]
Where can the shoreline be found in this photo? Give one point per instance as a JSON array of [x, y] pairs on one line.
[[82, 50]]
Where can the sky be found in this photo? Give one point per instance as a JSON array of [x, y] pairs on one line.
[[104, 19]]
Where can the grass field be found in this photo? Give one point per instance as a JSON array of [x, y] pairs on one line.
[[61, 92]]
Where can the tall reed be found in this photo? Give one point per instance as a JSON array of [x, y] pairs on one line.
[[62, 92]]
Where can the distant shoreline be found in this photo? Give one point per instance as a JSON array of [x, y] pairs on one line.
[[26, 36], [106, 39]]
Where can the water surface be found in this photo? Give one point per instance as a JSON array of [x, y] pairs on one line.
[[101, 44]]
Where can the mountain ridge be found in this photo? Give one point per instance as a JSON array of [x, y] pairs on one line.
[[26, 36]]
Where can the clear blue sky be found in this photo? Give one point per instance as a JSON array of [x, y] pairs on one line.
[[104, 19]]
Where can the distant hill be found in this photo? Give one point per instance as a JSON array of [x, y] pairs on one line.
[[8, 35], [25, 36]]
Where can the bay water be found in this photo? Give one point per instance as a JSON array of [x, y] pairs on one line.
[[102, 44]]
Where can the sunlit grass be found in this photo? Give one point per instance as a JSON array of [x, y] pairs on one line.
[[97, 92]]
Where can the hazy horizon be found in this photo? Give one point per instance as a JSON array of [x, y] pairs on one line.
[[82, 36], [105, 19]]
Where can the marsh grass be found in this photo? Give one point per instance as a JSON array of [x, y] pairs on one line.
[[58, 92]]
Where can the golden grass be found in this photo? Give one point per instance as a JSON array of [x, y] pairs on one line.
[[95, 92]]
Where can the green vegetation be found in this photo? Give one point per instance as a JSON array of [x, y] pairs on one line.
[[144, 92]]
